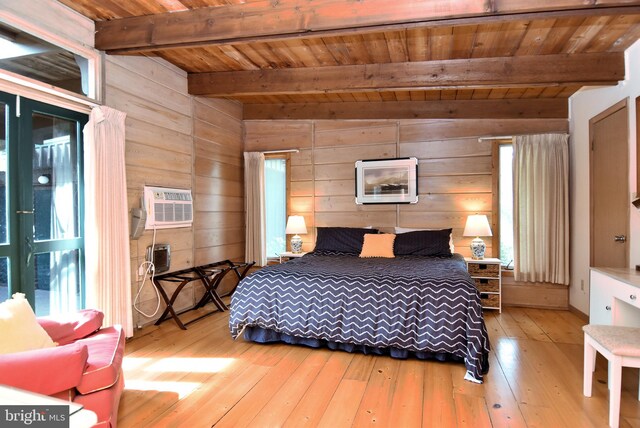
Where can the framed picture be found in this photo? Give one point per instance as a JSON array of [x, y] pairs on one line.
[[387, 181]]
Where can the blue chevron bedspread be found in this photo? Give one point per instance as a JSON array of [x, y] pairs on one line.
[[419, 304]]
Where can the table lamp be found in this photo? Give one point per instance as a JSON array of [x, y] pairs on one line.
[[477, 225], [295, 225]]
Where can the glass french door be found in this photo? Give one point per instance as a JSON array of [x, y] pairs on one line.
[[41, 211]]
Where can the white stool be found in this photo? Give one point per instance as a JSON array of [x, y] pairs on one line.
[[619, 345]]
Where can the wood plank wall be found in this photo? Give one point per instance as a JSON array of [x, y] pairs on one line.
[[166, 131], [219, 182], [455, 169]]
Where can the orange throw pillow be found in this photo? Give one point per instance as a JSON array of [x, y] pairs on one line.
[[378, 245]]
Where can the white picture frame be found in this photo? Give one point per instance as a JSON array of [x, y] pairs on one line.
[[387, 181]]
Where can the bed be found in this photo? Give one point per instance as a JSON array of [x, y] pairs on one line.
[[407, 306]]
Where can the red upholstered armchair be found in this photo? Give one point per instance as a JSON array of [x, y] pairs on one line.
[[85, 367]]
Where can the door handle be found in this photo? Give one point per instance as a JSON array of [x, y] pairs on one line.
[[24, 212], [620, 238], [29, 247]]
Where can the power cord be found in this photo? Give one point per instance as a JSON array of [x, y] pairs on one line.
[[150, 268]]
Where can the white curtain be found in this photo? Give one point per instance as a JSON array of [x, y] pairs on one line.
[[541, 208], [63, 265], [108, 273], [255, 246], [55, 156]]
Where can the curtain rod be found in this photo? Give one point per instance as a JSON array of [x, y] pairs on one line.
[[509, 137], [498, 137], [268, 152]]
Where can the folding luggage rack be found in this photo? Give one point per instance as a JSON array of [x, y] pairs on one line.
[[209, 275]]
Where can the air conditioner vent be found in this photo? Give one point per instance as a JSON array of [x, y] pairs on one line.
[[168, 207]]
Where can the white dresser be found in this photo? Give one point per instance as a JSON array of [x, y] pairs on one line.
[[615, 297]]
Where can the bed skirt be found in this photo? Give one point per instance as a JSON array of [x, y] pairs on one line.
[[263, 335]]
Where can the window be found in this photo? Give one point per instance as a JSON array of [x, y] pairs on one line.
[[505, 185], [275, 172], [41, 236], [31, 56]]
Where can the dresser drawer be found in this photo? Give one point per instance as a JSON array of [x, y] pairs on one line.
[[486, 284], [490, 300], [626, 293], [484, 269], [601, 299], [613, 300]]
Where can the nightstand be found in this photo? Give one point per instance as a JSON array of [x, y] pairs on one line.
[[289, 255], [486, 274]]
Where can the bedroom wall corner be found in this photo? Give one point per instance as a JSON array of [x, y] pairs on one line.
[[584, 105], [159, 152], [177, 140], [218, 183]]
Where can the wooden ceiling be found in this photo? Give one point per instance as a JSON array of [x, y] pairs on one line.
[[379, 58]]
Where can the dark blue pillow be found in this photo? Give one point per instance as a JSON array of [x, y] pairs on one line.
[[343, 239], [423, 243]]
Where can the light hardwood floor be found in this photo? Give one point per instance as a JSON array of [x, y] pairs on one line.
[[201, 378]]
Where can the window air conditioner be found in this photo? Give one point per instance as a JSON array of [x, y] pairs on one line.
[[168, 208]]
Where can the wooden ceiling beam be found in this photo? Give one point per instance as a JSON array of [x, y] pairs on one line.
[[286, 19], [549, 108], [547, 70]]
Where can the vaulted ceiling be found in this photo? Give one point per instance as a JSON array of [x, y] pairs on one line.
[[378, 58]]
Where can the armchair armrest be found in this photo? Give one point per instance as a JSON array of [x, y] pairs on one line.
[[68, 328], [45, 371]]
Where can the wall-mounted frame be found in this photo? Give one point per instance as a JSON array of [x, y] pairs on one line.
[[387, 181]]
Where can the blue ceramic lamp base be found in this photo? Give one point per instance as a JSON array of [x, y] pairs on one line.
[[296, 244], [478, 248]]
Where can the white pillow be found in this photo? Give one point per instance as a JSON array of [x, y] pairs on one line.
[[405, 230], [19, 329]]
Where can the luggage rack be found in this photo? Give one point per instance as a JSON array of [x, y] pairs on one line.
[[210, 275]]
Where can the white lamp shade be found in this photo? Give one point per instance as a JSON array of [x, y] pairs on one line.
[[295, 225], [477, 225]]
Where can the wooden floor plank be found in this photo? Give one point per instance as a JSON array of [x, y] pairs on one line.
[[471, 411], [314, 402], [243, 412], [147, 375], [561, 383], [406, 405], [574, 321], [523, 378], [556, 327], [342, 409], [494, 328], [510, 326], [217, 394], [201, 377], [528, 326], [278, 409], [504, 410], [376, 403], [220, 402], [438, 407], [360, 367], [541, 416]]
